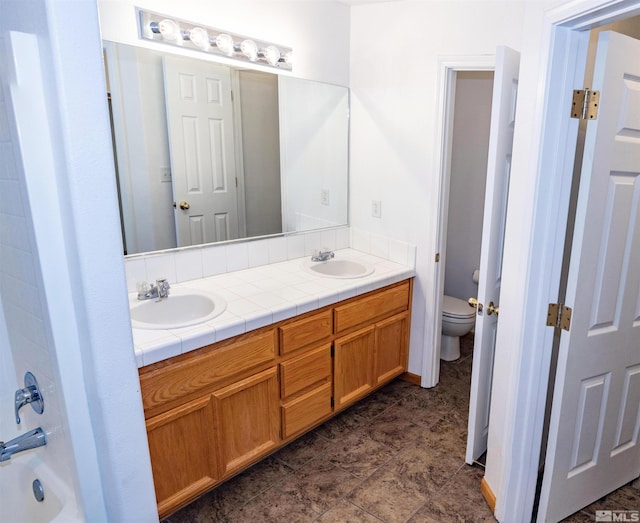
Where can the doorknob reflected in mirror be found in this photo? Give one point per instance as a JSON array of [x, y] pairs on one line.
[[184, 205], [473, 302], [492, 308]]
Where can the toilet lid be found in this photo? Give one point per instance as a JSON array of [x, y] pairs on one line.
[[456, 308]]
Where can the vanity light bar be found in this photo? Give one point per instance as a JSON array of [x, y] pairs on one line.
[[173, 31]]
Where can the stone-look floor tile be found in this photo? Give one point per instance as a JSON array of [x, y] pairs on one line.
[[447, 435], [343, 424], [424, 468], [393, 430], [390, 497], [273, 506], [424, 408], [460, 500], [233, 493], [319, 484], [625, 498], [579, 517], [345, 512], [381, 400], [358, 454], [299, 452]]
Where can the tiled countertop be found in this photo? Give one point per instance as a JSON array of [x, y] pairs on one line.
[[261, 296]]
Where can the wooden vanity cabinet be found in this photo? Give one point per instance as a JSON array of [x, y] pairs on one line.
[[217, 410]]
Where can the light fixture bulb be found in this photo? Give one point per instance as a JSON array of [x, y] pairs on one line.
[[249, 49], [199, 37], [272, 55], [288, 57], [225, 44], [169, 30]]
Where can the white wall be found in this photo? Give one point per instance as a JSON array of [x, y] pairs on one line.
[[470, 147], [395, 48]]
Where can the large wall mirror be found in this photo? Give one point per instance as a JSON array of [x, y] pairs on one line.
[[206, 152]]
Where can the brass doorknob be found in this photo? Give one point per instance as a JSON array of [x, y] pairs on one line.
[[473, 302], [492, 308], [184, 205]]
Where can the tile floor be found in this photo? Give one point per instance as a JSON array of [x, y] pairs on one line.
[[397, 456]]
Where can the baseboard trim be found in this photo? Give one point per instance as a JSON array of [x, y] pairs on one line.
[[488, 494], [411, 378]]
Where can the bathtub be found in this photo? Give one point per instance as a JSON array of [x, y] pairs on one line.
[[17, 501]]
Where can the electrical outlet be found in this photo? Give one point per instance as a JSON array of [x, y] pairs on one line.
[[324, 196], [376, 208], [165, 174]]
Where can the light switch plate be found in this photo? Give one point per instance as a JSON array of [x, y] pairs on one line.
[[165, 174], [376, 208], [324, 196]]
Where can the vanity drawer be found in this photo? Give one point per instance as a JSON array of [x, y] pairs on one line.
[[312, 329], [194, 372], [304, 371], [304, 411], [370, 308]]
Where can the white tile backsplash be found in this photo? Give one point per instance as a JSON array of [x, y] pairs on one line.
[[193, 264], [237, 257], [189, 265], [161, 266]]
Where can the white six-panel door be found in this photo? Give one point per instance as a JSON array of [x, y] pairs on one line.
[[593, 434], [201, 138], [503, 105]]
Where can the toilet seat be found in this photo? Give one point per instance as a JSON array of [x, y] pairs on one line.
[[456, 309]]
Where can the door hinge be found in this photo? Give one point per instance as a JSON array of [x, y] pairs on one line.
[[559, 316], [585, 104], [437, 257]]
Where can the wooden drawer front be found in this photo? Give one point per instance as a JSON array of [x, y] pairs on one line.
[[378, 305], [247, 420], [304, 411], [314, 329], [166, 384], [304, 371], [183, 456]]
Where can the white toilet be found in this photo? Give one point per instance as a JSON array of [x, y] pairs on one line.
[[458, 318]]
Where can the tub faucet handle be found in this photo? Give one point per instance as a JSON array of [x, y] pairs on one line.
[[30, 394]]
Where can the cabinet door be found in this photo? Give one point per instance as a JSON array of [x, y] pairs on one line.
[[247, 418], [353, 366], [183, 456], [391, 348]]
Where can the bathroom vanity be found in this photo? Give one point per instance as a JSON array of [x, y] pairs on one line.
[[214, 411]]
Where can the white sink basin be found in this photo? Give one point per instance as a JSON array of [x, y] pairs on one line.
[[183, 308], [340, 268]]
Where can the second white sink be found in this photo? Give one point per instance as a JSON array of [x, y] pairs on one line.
[[183, 308], [340, 268]]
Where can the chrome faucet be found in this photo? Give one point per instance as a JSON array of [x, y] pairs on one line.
[[159, 290], [30, 394], [29, 440], [320, 256]]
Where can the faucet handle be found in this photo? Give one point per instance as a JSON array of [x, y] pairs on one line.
[[29, 394]]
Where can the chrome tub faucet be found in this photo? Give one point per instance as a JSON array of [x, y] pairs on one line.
[[29, 440]]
